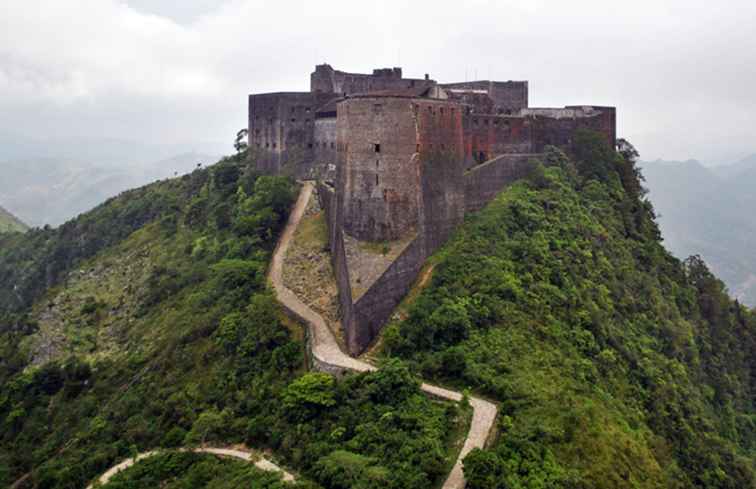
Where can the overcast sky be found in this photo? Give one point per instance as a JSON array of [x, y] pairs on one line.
[[681, 73]]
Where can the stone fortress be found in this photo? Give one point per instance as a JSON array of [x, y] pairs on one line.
[[399, 162]]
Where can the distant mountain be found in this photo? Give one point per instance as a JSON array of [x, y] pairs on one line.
[[50, 191], [105, 152], [746, 165], [9, 222], [709, 212]]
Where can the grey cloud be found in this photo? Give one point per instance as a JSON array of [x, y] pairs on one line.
[[680, 72]]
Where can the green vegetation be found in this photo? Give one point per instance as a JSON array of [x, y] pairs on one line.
[[615, 364], [196, 471], [10, 223], [150, 325]]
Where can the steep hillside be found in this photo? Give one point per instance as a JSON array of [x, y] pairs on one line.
[[188, 470], [710, 215], [10, 223], [616, 365], [147, 323]]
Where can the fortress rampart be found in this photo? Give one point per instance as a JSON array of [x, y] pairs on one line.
[[399, 157]]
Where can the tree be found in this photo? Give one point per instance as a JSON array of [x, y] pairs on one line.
[[629, 173], [210, 423], [595, 158], [240, 145], [309, 393]]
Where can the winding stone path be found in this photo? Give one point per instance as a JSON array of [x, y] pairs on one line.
[[328, 356], [261, 463]]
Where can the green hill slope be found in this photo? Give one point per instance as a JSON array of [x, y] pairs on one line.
[[616, 365], [147, 323], [10, 223]]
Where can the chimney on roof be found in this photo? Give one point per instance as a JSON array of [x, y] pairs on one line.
[[427, 76]]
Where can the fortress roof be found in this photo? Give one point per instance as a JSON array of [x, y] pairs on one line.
[[412, 92]]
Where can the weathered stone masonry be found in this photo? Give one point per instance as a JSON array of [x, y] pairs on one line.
[[398, 157]]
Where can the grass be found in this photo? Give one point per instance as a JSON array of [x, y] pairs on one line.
[[312, 232], [376, 247]]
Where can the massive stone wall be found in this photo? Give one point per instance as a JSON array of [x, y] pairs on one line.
[[557, 127], [484, 182], [441, 155], [324, 147], [329, 201], [487, 136], [444, 209], [378, 173], [508, 97], [374, 308], [389, 146], [282, 129], [409, 156], [327, 80]]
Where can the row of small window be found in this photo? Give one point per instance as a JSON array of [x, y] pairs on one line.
[[495, 121], [271, 121], [322, 145], [293, 110], [432, 109], [309, 145]]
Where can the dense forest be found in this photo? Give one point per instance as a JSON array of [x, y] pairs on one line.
[[615, 364], [147, 323]]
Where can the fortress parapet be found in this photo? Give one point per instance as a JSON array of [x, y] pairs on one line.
[[400, 161]]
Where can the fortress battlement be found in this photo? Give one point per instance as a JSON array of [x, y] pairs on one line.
[[403, 156]]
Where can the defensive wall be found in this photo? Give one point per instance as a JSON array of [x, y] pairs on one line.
[[363, 319], [397, 157]]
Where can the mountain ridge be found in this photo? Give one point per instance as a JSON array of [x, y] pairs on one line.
[[703, 213], [50, 191], [147, 323], [9, 222]]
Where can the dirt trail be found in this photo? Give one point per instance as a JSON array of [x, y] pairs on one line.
[[261, 463], [326, 350]]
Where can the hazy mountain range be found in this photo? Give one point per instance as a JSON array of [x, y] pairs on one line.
[[49, 190], [710, 212]]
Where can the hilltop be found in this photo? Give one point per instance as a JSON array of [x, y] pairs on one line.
[[616, 364], [147, 323]]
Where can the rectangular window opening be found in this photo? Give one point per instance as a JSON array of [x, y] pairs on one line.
[[377, 147]]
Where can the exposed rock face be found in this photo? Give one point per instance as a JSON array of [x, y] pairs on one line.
[[93, 309]]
